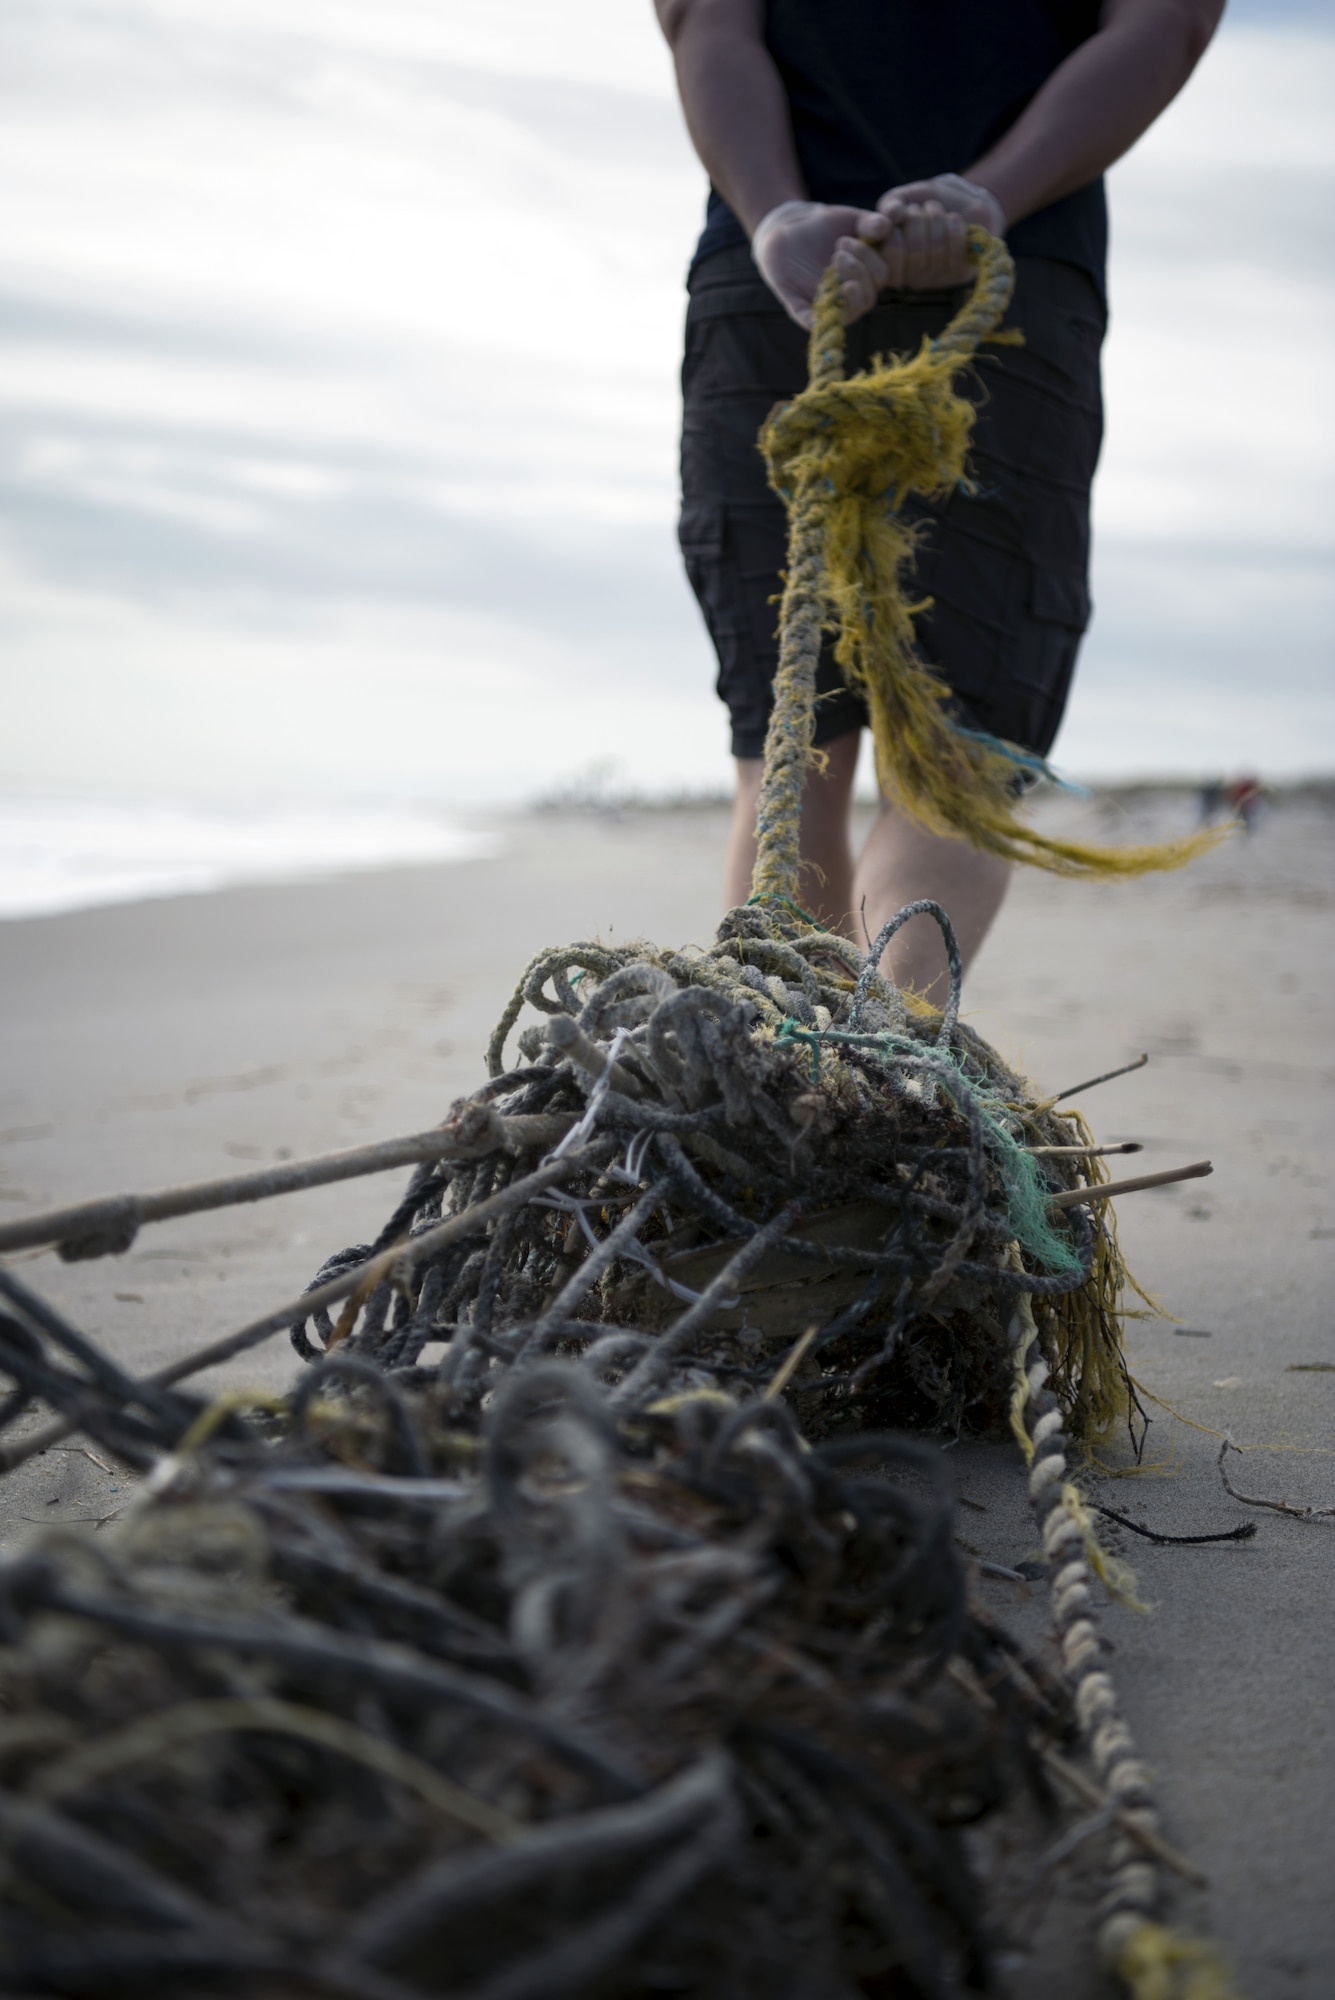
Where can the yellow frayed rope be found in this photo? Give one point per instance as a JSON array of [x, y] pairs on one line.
[[1156, 1962], [845, 455]]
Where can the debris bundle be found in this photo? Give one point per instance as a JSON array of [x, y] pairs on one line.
[[758, 1142], [636, 1699], [576, 1626]]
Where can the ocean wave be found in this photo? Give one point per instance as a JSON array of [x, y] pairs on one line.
[[61, 852]]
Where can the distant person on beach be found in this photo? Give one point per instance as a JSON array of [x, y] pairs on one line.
[[873, 132], [1244, 798]]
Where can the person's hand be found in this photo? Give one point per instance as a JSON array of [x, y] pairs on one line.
[[795, 242], [927, 249]]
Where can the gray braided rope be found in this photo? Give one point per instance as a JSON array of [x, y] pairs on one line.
[[792, 722], [1133, 1891]]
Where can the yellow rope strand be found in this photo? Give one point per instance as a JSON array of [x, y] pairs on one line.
[[845, 454], [1159, 1963], [788, 746]]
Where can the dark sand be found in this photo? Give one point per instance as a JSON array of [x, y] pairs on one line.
[[184, 1038]]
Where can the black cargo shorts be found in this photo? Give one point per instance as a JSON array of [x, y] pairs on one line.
[[1006, 567]]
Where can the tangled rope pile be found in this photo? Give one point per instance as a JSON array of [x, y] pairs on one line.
[[758, 1139], [582, 1655], [633, 1698]]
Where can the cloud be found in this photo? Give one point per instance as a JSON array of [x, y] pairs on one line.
[[338, 354], [215, 696]]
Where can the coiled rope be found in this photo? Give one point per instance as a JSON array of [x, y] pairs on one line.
[[845, 455]]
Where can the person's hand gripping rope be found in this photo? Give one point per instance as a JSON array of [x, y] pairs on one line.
[[915, 239]]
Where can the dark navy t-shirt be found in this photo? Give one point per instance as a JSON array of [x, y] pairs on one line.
[[886, 91]]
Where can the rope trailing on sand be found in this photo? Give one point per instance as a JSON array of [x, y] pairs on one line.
[[845, 455], [1151, 1960]]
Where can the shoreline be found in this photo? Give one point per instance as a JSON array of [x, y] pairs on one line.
[[168, 861]]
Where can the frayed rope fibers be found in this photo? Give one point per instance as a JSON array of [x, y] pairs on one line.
[[1157, 1963], [845, 454]]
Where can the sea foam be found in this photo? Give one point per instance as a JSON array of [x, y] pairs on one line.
[[61, 852]]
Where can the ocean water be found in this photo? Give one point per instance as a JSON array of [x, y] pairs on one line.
[[63, 852]]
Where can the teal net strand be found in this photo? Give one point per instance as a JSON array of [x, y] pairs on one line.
[[1027, 1194]]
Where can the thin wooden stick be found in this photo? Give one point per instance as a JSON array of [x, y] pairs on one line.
[[1091, 1794], [1077, 1197], [1090, 1081], [107, 1224], [1086, 1152], [1084, 1787], [400, 1256], [790, 1363]]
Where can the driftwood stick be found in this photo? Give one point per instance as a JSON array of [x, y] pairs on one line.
[[399, 1257], [1091, 1794], [107, 1224], [1077, 1197], [1106, 1077], [1086, 1152], [1085, 1788]]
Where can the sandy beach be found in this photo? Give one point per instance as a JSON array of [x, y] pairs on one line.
[[187, 1037]]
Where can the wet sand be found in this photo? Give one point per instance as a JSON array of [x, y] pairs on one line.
[[185, 1038]]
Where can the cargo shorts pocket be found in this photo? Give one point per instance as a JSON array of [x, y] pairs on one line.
[[702, 535], [1045, 658]]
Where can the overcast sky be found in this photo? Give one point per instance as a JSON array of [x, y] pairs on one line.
[[338, 350]]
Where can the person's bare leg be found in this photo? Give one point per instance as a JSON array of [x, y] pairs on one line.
[[902, 862], [825, 847]]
